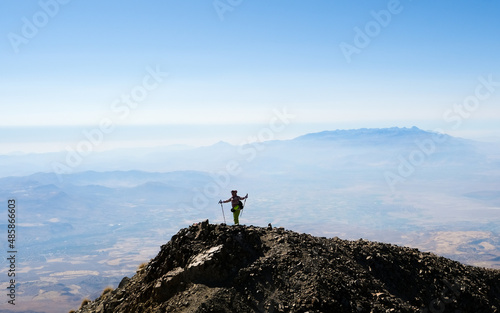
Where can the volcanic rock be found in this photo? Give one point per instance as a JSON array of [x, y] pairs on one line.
[[220, 268]]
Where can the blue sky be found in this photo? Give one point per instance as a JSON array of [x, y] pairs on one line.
[[68, 63]]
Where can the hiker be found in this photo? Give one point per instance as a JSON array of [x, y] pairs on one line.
[[237, 206]]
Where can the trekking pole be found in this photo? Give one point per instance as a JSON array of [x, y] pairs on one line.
[[244, 203], [222, 211]]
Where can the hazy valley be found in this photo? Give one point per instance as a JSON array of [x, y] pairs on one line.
[[84, 229]]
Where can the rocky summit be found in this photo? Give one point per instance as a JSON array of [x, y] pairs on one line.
[[221, 268]]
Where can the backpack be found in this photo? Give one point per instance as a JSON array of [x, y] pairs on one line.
[[240, 204]]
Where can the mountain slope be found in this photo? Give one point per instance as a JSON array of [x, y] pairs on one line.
[[219, 268]]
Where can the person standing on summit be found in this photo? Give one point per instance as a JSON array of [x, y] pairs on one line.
[[236, 204]]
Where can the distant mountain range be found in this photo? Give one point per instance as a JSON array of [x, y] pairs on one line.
[[171, 158]]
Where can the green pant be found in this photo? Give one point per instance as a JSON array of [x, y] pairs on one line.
[[236, 214]]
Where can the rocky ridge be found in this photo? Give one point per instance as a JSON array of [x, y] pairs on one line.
[[220, 268]]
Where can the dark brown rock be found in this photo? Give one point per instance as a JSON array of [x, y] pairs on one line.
[[220, 268]]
